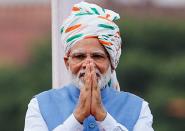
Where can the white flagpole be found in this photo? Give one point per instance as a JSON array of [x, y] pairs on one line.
[[60, 10]]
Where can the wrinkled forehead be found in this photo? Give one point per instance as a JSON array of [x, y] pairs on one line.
[[89, 45]]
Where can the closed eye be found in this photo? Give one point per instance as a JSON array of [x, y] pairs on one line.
[[99, 56], [79, 56]]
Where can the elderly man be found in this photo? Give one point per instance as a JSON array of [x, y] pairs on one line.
[[90, 102]]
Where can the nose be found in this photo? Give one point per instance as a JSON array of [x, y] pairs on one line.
[[84, 64], [88, 60]]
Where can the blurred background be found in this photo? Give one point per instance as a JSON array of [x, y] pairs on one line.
[[152, 64]]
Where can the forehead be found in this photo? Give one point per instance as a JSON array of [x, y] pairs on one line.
[[88, 45]]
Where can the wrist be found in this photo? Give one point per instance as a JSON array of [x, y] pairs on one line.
[[101, 116], [78, 117]]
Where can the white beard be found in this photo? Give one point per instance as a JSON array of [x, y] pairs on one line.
[[102, 80]]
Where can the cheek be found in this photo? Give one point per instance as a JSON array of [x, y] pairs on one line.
[[75, 68], [103, 67]]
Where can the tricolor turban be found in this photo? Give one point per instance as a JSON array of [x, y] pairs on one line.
[[90, 20]]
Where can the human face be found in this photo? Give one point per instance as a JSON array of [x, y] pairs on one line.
[[84, 52]]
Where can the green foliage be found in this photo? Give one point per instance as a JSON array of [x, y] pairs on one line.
[[152, 66], [18, 86]]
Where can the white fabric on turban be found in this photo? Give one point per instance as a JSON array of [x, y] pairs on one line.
[[90, 20]]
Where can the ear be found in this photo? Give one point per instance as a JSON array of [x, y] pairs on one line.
[[66, 61]]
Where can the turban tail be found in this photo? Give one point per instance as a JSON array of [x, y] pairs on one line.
[[90, 20]]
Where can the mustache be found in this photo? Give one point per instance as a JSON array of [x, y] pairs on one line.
[[82, 74], [78, 80]]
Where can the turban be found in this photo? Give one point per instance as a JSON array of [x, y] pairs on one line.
[[90, 20]]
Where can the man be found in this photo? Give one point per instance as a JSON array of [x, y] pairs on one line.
[[90, 102]]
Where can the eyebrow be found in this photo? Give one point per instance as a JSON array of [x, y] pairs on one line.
[[78, 51]]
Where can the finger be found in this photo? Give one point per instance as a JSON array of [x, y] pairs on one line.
[[91, 66], [93, 73], [87, 78], [94, 79], [87, 70]]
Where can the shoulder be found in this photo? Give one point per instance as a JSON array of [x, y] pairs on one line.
[[131, 95], [145, 111], [131, 99], [66, 92], [33, 104], [126, 95], [52, 91]]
